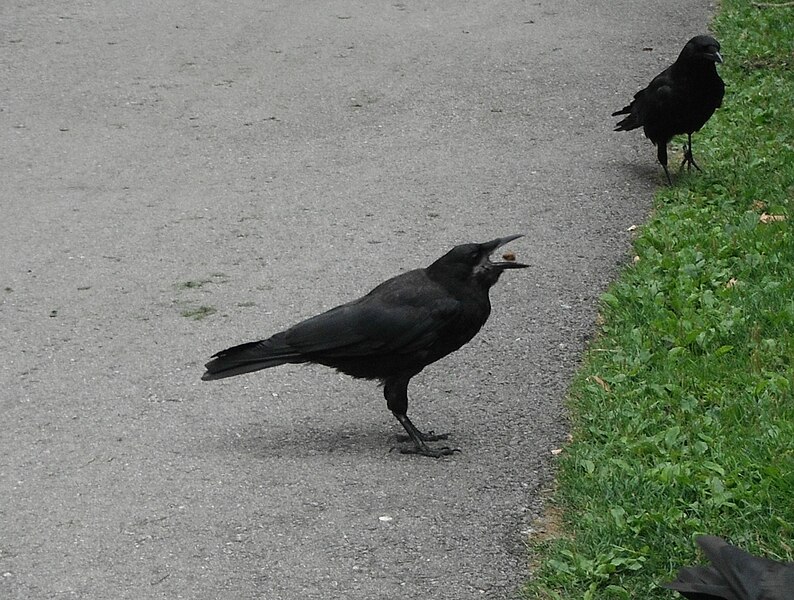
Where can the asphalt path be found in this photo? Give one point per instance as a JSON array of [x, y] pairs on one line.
[[266, 161]]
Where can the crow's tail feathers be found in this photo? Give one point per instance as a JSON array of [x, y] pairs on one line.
[[630, 122], [249, 357]]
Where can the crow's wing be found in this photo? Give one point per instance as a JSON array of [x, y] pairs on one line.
[[403, 315], [734, 575], [747, 575], [702, 583], [654, 99]]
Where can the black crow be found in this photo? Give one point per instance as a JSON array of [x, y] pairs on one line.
[[734, 575], [392, 333], [678, 100]]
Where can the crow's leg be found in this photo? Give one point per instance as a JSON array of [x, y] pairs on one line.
[[669, 179], [395, 390], [419, 439], [661, 155], [430, 436], [689, 160]]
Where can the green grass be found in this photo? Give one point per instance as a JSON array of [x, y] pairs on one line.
[[684, 410]]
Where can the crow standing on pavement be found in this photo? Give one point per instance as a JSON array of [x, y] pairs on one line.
[[392, 333], [734, 575], [678, 100]]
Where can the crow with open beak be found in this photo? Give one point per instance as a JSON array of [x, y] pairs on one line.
[[390, 334]]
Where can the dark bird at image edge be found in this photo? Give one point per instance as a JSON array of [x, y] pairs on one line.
[[734, 574], [679, 100], [390, 334]]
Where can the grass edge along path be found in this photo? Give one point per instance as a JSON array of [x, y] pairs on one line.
[[683, 412]]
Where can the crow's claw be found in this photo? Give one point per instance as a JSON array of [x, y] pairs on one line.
[[430, 436], [427, 451], [689, 160]]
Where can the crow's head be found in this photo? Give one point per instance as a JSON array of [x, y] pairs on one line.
[[473, 262], [702, 48]]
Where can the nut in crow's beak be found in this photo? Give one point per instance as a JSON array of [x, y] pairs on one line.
[[488, 248]]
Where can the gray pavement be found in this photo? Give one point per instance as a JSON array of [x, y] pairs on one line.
[[269, 160]]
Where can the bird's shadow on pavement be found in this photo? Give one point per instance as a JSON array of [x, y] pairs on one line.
[[311, 440], [651, 175]]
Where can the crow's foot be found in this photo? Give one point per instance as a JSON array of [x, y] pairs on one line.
[[430, 436], [689, 160], [424, 450], [418, 438]]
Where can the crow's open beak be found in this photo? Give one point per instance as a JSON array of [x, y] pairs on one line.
[[490, 247]]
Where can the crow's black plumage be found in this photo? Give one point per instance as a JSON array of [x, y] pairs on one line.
[[734, 575], [679, 100], [392, 333]]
